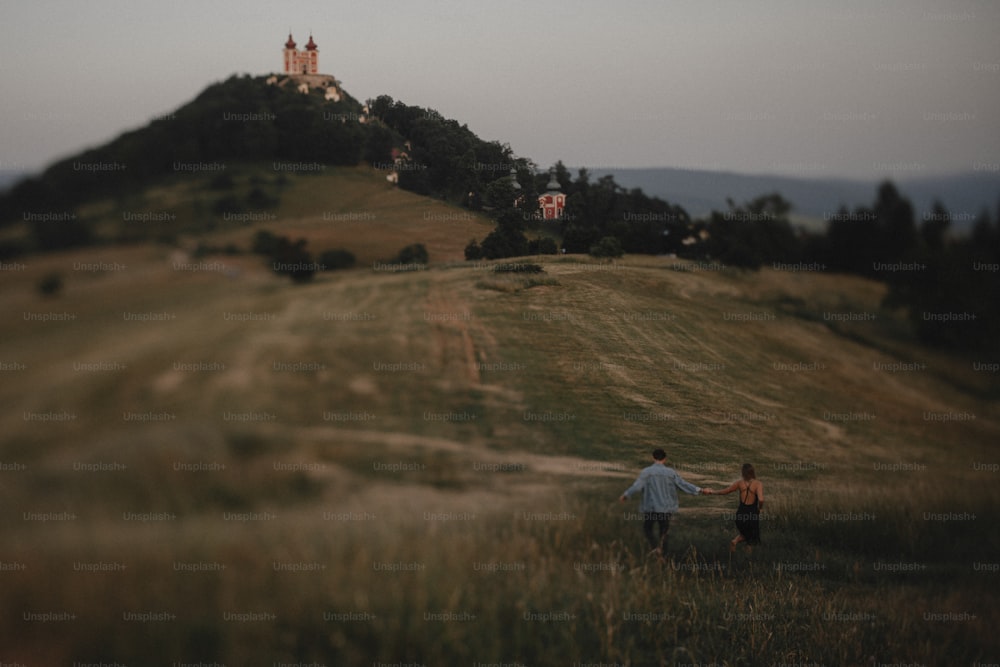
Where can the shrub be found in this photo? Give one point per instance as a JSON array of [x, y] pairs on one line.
[[259, 199], [473, 250], [505, 242], [264, 243], [294, 261], [286, 258], [332, 260], [415, 253], [227, 204], [51, 284], [544, 246], [609, 246]]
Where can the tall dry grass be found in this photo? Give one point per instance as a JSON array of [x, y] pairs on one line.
[[568, 585]]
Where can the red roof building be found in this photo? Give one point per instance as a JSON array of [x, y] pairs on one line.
[[552, 203]]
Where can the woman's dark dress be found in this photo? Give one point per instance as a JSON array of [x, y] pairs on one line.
[[748, 517]]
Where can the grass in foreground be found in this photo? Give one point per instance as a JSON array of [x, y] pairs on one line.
[[565, 584]]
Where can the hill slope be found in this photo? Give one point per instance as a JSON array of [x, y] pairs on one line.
[[369, 419], [352, 208], [693, 349]]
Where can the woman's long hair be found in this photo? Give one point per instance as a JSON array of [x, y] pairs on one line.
[[748, 472]]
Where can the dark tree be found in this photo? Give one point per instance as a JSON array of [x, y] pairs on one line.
[[415, 253], [473, 251]]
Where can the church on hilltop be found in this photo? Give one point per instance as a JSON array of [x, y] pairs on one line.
[[305, 61], [302, 71]]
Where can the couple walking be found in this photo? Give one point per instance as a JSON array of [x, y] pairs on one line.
[[659, 483]]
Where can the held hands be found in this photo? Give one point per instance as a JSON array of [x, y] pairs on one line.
[[707, 492]]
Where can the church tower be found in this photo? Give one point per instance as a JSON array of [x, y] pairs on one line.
[[309, 59], [291, 55]]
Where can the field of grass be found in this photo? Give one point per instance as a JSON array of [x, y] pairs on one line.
[[423, 467], [354, 208]]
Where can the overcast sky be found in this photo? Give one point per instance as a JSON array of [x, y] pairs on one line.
[[863, 89]]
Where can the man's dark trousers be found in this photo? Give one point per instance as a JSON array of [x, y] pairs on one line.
[[649, 519]]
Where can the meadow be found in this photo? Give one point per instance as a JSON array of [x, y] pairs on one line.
[[217, 466]]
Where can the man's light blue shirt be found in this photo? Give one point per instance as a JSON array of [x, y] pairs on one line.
[[659, 484]]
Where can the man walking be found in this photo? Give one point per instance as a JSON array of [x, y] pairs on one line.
[[659, 483]]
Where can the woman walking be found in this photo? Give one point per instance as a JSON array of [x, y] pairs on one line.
[[751, 502]]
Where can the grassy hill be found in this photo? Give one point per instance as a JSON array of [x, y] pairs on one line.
[[354, 208], [204, 462]]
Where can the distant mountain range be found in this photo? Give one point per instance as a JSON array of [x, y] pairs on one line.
[[700, 192]]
